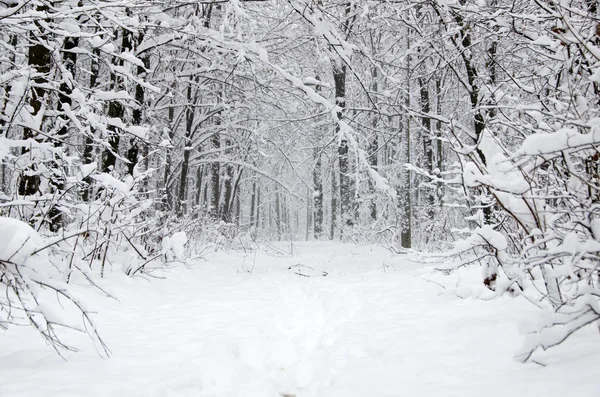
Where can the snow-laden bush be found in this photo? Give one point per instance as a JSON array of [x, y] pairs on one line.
[[545, 241], [531, 177], [35, 292]]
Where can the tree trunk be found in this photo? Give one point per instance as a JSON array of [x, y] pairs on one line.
[[373, 151], [189, 125], [309, 214], [168, 193], [346, 208], [440, 147], [253, 204], [116, 109], [258, 217], [235, 195], [215, 179], [228, 193], [334, 203], [199, 173], [238, 209], [405, 194], [57, 182], [39, 58], [277, 214], [427, 144], [464, 46], [137, 114], [318, 196], [88, 150], [4, 187]]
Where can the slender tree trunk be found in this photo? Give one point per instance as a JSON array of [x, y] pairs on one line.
[[5, 187], [491, 269], [427, 143], [334, 203], [57, 183], [464, 46], [189, 126], [373, 151], [39, 58], [235, 195], [199, 172], [137, 114], [406, 202], [440, 147], [168, 193], [88, 150], [116, 109], [309, 214], [253, 204], [7, 89], [205, 187], [215, 179], [228, 192], [277, 213], [318, 196], [238, 209], [346, 208], [258, 217]]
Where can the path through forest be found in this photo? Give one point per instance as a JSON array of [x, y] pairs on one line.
[[331, 320]]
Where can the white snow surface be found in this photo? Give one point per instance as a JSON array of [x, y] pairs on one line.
[[17, 240], [332, 320]]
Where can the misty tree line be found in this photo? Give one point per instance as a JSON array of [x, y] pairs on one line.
[[409, 122]]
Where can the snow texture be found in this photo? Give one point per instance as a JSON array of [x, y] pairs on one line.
[[354, 322], [18, 241]]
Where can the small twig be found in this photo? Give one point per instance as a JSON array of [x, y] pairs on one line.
[[134, 247], [71, 261]]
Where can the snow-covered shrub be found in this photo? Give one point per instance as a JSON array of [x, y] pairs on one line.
[[33, 291], [124, 231], [545, 241], [532, 176]]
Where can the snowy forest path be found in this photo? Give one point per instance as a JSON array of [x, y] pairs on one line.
[[329, 320]]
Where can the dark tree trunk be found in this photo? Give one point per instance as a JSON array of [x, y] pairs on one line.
[[228, 193], [168, 193], [405, 193], [318, 196], [464, 46], [235, 195], [334, 204], [181, 196], [427, 142], [440, 147], [39, 58], [215, 179], [189, 125], [57, 182], [138, 112], [373, 150], [116, 109], [4, 187], [253, 204], [238, 209], [132, 157], [346, 208], [88, 150], [3, 117], [199, 174]]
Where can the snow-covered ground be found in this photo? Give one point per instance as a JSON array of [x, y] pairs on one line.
[[246, 324]]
